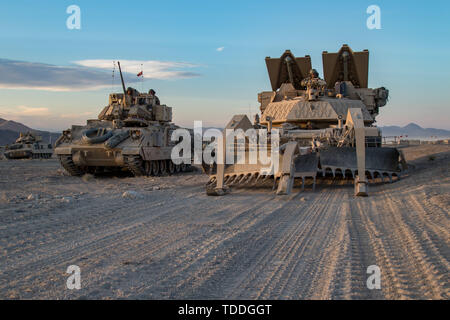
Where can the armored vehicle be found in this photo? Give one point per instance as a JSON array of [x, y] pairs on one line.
[[29, 146], [324, 127], [133, 132]]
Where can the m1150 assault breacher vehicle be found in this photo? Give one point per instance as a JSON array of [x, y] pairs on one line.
[[133, 132], [29, 146], [326, 127]]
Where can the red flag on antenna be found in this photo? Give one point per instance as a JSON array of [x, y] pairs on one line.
[[140, 73]]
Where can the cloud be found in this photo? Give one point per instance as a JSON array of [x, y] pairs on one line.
[[30, 111], [84, 75], [220, 49], [152, 69], [43, 118]]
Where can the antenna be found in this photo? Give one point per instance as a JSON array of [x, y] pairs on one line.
[[123, 85], [142, 78], [112, 81]]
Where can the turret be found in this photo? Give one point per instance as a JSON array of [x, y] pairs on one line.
[[301, 97]]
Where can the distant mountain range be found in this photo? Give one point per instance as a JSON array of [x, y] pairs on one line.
[[413, 130], [9, 132]]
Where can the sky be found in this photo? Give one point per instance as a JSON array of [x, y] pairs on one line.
[[206, 58]]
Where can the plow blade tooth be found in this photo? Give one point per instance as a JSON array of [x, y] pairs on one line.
[[211, 181], [227, 179], [352, 172], [258, 178], [233, 179], [250, 178], [304, 183], [236, 177], [244, 177]]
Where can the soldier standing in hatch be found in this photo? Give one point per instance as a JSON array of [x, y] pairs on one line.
[[156, 99], [314, 85], [313, 80]]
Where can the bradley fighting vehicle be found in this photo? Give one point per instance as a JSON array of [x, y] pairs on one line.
[[133, 132], [326, 127], [29, 146]]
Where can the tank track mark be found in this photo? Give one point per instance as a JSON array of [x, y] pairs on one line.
[[68, 164]]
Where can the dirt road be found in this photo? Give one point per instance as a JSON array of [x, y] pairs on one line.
[[172, 241]]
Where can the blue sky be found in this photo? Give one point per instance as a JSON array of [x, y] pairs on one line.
[[409, 55]]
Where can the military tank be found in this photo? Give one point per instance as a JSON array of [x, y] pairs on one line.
[[324, 127], [29, 146], [133, 132]]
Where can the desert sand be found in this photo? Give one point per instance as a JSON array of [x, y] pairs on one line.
[[166, 239]]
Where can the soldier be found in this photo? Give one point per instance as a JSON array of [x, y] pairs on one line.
[[313, 73], [313, 80], [129, 98], [314, 85], [156, 99]]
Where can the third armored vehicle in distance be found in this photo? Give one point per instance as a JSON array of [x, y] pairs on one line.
[[29, 146], [132, 132]]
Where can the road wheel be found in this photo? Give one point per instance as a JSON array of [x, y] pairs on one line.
[[148, 168], [162, 167], [155, 168], [170, 167]]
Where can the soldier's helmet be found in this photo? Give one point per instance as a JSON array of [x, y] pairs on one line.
[[313, 73]]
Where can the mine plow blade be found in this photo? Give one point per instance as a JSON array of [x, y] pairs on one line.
[[235, 175], [380, 162]]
